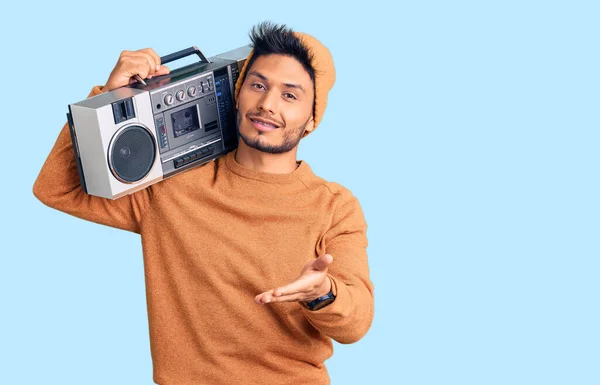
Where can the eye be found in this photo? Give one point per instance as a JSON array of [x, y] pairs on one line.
[[290, 96], [257, 86]]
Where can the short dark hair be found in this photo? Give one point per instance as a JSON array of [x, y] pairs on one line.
[[268, 38]]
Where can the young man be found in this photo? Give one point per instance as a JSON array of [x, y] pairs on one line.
[[252, 263]]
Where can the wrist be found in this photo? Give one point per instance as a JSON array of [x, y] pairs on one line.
[[329, 286], [323, 290], [323, 294], [322, 300]]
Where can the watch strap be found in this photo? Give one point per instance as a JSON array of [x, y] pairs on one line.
[[314, 304]]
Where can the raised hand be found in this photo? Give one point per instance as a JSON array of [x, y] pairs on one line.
[[312, 283], [144, 62]]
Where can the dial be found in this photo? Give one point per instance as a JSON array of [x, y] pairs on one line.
[[168, 99], [180, 95], [191, 91]]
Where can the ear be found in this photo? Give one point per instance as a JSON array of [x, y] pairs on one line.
[[310, 126]]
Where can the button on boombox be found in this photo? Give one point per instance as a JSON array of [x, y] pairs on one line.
[[193, 156], [192, 90]]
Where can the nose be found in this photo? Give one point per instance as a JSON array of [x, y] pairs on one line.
[[269, 102]]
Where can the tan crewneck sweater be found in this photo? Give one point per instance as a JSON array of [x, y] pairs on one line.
[[213, 238]]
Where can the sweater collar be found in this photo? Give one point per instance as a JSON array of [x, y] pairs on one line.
[[295, 176]]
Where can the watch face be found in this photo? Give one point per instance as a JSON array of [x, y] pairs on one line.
[[323, 303]]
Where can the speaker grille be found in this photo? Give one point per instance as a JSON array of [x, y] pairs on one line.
[[132, 154]]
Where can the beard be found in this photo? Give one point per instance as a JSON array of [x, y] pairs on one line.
[[291, 138]]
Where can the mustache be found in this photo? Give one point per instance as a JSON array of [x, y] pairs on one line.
[[263, 116]]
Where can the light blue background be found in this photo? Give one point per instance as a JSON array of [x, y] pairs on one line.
[[468, 130]]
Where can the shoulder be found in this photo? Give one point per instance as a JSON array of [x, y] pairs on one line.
[[343, 205], [334, 191]]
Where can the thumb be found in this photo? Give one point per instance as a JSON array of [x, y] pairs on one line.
[[163, 70], [323, 262]]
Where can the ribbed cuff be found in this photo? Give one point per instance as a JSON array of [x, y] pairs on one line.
[[97, 90]]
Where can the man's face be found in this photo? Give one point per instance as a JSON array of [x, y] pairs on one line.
[[275, 104]]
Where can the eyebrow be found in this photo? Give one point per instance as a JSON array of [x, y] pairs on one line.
[[289, 85]]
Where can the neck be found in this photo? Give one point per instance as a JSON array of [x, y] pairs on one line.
[[264, 162]]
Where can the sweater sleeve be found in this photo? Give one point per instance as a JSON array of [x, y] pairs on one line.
[[58, 186], [349, 317]]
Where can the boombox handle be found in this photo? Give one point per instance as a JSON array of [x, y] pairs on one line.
[[183, 53]]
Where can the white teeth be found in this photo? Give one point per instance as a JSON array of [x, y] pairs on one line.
[[264, 124]]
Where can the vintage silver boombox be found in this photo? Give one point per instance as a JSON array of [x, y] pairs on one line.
[[134, 136]]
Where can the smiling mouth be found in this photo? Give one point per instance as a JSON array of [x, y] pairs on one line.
[[263, 124]]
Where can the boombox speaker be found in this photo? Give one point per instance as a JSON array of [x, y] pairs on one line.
[[115, 159]]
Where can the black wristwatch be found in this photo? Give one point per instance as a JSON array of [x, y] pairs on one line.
[[320, 302]]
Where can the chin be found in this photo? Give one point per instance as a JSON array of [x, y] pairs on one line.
[[262, 144], [262, 141]]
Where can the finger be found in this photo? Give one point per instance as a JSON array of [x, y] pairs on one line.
[[150, 56], [151, 62], [267, 297], [126, 53], [162, 71], [289, 298], [304, 284], [264, 297], [259, 298], [155, 56], [137, 65], [323, 262]]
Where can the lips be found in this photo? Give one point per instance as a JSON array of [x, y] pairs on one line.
[[265, 123]]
